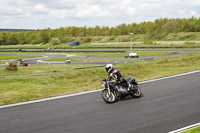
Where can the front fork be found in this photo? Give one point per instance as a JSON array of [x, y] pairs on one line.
[[108, 88]]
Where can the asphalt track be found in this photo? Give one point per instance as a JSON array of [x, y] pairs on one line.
[[167, 105], [85, 58]]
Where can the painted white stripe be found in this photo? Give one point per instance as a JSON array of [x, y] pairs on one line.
[[47, 99], [64, 96], [170, 77], [185, 128]]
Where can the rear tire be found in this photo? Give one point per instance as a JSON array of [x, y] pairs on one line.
[[137, 93], [108, 98]]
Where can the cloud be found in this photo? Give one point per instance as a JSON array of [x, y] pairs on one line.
[[54, 14], [41, 8]]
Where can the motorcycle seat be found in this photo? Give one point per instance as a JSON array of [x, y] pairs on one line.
[[130, 79]]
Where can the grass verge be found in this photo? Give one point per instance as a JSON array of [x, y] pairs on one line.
[[193, 130], [140, 53], [36, 82], [10, 57], [2, 62], [108, 56]]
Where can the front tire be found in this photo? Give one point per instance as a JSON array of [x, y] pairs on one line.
[[137, 93], [108, 98]]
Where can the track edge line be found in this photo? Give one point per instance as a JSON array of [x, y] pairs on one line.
[[87, 92]]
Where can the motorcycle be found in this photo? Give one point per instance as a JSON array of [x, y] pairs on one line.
[[114, 91]]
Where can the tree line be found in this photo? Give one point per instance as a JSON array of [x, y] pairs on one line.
[[154, 30]]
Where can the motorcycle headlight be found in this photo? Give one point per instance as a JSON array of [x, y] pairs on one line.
[[103, 84]]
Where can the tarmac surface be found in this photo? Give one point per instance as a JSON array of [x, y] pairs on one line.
[[167, 105], [38, 61]]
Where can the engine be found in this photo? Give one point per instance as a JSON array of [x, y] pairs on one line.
[[121, 89]]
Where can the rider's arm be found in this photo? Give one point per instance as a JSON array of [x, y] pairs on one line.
[[116, 72]]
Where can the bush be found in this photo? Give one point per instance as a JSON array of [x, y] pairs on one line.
[[86, 40], [35, 42], [112, 38], [11, 66], [124, 39], [98, 38], [55, 41]]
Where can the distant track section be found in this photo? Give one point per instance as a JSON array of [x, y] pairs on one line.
[[20, 50], [16, 49]]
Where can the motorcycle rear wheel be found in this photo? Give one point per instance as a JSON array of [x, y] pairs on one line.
[[137, 93], [108, 98]]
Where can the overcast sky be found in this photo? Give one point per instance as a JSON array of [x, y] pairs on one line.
[[40, 14]]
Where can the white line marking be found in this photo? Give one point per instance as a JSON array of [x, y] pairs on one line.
[[87, 92], [47, 99], [185, 128], [170, 77]]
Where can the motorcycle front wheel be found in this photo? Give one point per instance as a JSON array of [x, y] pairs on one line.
[[108, 98]]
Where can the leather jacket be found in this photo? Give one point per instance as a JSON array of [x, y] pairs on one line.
[[116, 75]]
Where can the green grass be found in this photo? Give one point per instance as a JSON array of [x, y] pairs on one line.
[[70, 53], [82, 60], [36, 82], [2, 62], [182, 36], [10, 57], [140, 53], [108, 55], [193, 130], [103, 46]]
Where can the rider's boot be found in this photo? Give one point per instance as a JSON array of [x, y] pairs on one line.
[[129, 87]]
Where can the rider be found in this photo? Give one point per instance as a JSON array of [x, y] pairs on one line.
[[114, 74]]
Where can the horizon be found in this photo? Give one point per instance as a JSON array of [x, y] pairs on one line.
[[96, 25]]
